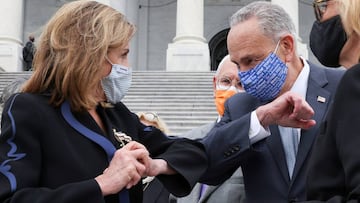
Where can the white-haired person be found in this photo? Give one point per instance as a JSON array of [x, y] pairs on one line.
[[226, 83]]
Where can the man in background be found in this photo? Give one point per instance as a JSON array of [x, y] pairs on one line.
[[28, 53], [226, 83]]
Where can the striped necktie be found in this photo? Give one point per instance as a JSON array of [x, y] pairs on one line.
[[290, 140]]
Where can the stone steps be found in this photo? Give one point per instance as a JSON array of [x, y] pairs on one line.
[[184, 100]]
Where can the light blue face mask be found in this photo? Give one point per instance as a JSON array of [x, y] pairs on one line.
[[117, 83], [266, 79]]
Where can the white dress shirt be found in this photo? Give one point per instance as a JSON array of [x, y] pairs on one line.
[[257, 132]]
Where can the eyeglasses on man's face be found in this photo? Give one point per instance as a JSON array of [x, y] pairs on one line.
[[225, 83], [320, 8]]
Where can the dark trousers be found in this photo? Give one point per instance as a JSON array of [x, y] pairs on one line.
[[28, 65]]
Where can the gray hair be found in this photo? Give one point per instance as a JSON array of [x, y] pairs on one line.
[[12, 88], [273, 20], [220, 66]]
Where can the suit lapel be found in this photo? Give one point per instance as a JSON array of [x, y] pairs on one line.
[[319, 100], [317, 80]]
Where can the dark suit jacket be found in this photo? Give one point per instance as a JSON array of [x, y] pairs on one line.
[[230, 191], [264, 167], [157, 193], [334, 172]]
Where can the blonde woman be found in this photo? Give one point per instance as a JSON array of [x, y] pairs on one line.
[[328, 39], [68, 138], [334, 171], [152, 119]]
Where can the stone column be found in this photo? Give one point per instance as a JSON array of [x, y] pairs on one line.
[[11, 31], [142, 34], [189, 50], [292, 7], [130, 8]]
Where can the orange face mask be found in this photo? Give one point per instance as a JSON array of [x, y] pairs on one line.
[[220, 97]]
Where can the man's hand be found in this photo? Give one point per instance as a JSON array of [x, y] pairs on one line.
[[288, 110], [159, 166]]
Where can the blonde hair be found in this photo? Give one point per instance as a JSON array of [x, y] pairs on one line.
[[350, 15], [72, 50], [156, 121]]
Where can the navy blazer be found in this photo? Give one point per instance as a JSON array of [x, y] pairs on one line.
[[263, 163], [230, 191]]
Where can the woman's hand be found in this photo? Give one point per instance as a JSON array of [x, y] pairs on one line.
[[126, 168]]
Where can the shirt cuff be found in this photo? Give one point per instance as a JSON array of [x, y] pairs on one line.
[[257, 132]]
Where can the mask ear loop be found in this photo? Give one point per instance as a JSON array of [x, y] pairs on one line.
[[108, 60], [276, 49], [277, 46]]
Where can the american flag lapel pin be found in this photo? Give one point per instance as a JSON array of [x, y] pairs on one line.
[[321, 99]]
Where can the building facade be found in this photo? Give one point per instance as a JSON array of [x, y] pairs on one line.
[[172, 35]]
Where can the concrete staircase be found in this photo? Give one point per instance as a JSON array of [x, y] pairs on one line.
[[8, 77], [184, 100]]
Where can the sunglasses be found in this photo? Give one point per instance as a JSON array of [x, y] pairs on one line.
[[319, 8]]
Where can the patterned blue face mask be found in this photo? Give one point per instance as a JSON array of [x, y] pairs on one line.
[[117, 83], [266, 79]]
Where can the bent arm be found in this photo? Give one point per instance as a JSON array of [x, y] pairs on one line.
[[226, 146], [185, 159]]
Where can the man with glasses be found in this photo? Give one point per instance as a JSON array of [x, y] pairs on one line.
[[264, 131], [226, 83], [328, 40]]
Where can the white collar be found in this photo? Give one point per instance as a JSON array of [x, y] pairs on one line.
[[301, 83]]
